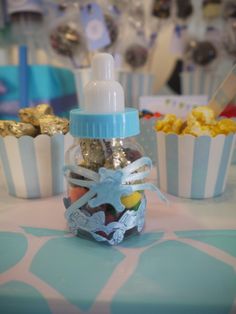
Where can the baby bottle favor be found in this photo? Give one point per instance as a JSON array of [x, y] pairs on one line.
[[105, 169]]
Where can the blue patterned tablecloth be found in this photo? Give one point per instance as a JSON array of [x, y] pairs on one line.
[[184, 262]]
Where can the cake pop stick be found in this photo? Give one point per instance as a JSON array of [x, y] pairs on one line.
[[224, 93], [23, 77]]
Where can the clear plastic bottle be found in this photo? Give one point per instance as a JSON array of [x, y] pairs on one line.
[[104, 168]]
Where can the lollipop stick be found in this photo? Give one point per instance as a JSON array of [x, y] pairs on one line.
[[224, 93], [23, 76]]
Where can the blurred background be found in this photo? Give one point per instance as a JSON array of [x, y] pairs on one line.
[[160, 47]]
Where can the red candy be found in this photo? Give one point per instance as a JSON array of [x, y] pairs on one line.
[[76, 192]]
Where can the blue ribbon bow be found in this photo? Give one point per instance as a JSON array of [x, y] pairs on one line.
[[107, 187]]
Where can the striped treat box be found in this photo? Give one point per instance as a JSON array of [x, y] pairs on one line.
[[199, 82], [135, 84], [193, 167], [234, 155], [32, 167]]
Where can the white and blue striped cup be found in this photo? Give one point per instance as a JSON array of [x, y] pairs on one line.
[[32, 167], [193, 167], [234, 155], [135, 84], [199, 82]]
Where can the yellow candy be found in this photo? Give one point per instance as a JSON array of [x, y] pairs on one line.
[[131, 200]]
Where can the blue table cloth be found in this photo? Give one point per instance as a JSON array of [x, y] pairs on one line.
[[184, 261]]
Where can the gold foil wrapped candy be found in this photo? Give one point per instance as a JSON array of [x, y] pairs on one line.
[[33, 114], [3, 128], [17, 129], [103, 153], [34, 121], [116, 155], [50, 125], [93, 153]]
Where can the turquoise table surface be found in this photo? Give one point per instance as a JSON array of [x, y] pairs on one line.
[[184, 261]]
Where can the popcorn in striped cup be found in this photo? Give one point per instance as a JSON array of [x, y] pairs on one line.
[[193, 160]]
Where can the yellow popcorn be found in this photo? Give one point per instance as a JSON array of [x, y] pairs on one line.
[[197, 130], [177, 126], [200, 121], [170, 124], [202, 114], [226, 126]]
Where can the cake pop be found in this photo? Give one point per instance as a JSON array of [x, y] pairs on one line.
[[161, 8], [202, 52], [184, 9], [65, 39], [136, 55]]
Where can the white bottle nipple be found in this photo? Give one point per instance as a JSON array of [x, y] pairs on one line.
[[103, 94]]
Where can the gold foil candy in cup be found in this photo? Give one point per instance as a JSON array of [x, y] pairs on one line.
[[44, 109], [32, 115], [50, 125], [32, 164], [4, 128], [17, 129]]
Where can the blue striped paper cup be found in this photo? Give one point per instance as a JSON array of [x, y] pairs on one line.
[[234, 155], [135, 84], [32, 167], [193, 167], [199, 82]]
